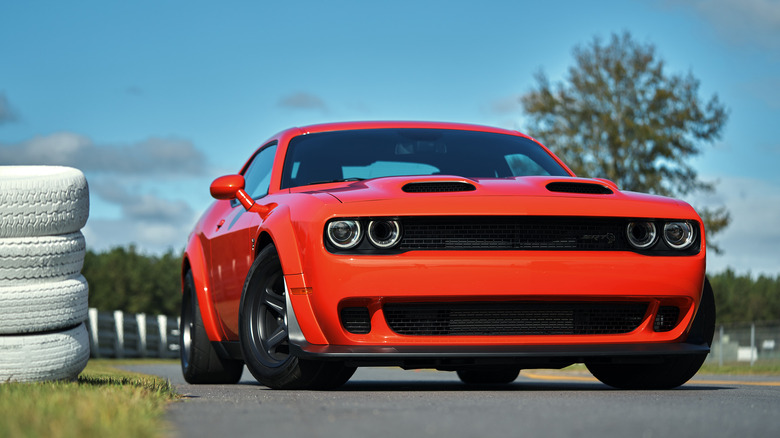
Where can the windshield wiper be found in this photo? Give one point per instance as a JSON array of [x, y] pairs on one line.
[[336, 180]]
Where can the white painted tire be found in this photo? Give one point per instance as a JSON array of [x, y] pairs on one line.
[[42, 200], [43, 307], [44, 356], [25, 260]]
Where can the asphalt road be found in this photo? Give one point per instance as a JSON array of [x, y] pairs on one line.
[[388, 402]]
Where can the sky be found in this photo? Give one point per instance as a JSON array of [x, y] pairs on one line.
[[152, 100]]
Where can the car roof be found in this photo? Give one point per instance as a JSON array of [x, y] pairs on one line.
[[344, 126]]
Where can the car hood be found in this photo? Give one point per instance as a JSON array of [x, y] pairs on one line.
[[521, 195]]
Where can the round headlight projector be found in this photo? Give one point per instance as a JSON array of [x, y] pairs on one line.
[[641, 235], [344, 234], [679, 235], [384, 233]]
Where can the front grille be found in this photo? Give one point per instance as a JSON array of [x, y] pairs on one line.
[[438, 187], [524, 232], [514, 318]]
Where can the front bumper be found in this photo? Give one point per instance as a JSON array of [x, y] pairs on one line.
[[335, 282]]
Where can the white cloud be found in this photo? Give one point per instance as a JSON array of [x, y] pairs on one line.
[[154, 156], [7, 114], [149, 237], [303, 100], [751, 242], [741, 22]]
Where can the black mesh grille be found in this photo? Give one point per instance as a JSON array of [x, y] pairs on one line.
[[514, 318], [438, 187], [529, 233], [573, 187], [666, 318], [356, 320]]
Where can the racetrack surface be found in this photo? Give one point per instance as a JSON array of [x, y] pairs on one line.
[[390, 402]]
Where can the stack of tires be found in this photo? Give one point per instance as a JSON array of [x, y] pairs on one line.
[[43, 296]]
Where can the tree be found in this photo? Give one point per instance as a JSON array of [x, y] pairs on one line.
[[619, 115], [123, 279]]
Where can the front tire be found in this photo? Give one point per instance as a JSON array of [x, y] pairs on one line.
[[200, 363], [264, 335], [671, 371]]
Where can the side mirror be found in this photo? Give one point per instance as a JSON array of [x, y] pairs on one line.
[[226, 187], [231, 187]]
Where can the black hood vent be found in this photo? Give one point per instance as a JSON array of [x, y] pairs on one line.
[[438, 187], [579, 187]]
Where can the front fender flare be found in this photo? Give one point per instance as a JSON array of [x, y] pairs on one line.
[[194, 260]]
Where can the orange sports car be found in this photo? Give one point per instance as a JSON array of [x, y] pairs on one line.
[[431, 245]]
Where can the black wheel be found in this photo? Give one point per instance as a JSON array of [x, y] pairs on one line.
[[265, 338], [199, 361], [669, 371], [495, 375]]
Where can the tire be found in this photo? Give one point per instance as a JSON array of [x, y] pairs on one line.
[[498, 375], [42, 201], [43, 307], [44, 356], [200, 363], [265, 339], [669, 371], [25, 260]]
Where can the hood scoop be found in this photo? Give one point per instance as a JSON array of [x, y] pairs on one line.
[[579, 187], [438, 187]]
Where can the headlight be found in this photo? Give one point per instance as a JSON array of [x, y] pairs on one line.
[[384, 233], [641, 235], [345, 233], [679, 235]]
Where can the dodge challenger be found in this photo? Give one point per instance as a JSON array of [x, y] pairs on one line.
[[454, 247]]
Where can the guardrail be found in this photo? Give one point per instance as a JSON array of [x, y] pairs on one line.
[[119, 335], [746, 344]]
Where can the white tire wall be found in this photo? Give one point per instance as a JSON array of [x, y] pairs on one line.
[[43, 307], [39, 357], [43, 296], [42, 200], [26, 260]]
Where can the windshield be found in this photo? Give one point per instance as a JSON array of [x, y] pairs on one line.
[[372, 153]]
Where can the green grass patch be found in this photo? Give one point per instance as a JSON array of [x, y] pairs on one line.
[[103, 402]]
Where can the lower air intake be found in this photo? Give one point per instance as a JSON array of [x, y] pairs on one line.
[[513, 318], [356, 320]]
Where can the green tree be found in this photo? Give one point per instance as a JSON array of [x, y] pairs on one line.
[[619, 115], [123, 279]]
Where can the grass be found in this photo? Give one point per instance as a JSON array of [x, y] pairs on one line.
[[104, 401]]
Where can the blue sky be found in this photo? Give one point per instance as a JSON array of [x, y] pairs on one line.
[[154, 99]]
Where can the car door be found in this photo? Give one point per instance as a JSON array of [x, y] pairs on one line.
[[232, 246]]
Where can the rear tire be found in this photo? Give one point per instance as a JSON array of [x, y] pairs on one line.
[[200, 363], [264, 335], [671, 371], [497, 375]]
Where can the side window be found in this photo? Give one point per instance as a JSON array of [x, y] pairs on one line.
[[258, 174]]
